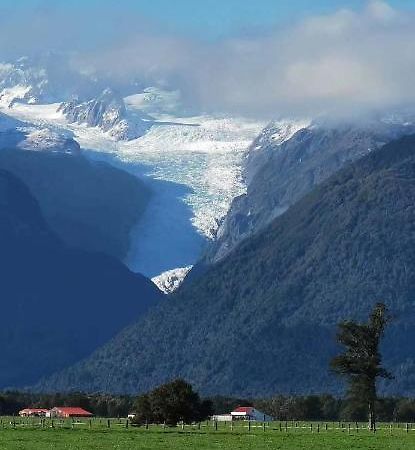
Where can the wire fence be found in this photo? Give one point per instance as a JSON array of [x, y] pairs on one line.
[[237, 426]]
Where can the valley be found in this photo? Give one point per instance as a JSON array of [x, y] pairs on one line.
[[193, 165]]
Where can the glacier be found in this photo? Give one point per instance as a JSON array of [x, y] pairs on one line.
[[193, 163]]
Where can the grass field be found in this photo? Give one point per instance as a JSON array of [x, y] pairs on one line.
[[31, 435]]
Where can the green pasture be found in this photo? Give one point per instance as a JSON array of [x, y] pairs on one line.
[[34, 434]]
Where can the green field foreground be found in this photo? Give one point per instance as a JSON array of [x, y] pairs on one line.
[[96, 435]]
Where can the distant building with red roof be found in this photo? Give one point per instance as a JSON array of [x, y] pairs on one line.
[[250, 413], [68, 411], [33, 412]]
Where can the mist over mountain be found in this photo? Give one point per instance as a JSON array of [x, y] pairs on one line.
[[345, 63]]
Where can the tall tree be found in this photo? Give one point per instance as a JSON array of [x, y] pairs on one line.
[[361, 362], [170, 403]]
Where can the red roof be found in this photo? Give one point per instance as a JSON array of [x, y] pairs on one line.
[[72, 411], [244, 409]]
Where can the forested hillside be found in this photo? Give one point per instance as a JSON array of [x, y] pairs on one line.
[[263, 320], [90, 205], [57, 304], [278, 174]]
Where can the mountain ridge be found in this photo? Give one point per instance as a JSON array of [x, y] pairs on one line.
[[285, 162], [61, 303], [269, 309]]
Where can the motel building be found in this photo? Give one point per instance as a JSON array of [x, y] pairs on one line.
[[248, 413], [33, 412]]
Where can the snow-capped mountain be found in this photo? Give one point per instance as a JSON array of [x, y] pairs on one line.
[[193, 164], [26, 136], [108, 112], [198, 165], [46, 139], [21, 81], [48, 78]]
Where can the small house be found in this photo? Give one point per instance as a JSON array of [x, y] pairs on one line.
[[222, 418], [250, 413], [33, 412], [64, 412]]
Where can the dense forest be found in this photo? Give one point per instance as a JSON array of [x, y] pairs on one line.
[[263, 319], [58, 303]]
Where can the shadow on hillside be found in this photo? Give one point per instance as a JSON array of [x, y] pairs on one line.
[[164, 238]]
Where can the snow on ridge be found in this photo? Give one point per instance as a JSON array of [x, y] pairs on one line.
[[285, 129], [49, 140], [155, 100], [108, 112], [204, 154], [171, 280]]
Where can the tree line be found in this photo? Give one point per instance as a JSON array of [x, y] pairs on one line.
[[281, 407], [360, 364]]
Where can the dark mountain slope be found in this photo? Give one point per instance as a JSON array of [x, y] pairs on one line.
[[263, 320], [280, 174], [57, 304], [90, 205]]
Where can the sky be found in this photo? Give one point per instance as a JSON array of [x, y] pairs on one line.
[[260, 58], [208, 19]]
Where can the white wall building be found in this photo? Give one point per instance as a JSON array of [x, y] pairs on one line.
[[222, 417], [250, 413]]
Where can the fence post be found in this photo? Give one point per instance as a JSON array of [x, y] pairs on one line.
[[318, 428], [108, 423], [231, 425], [326, 426], [216, 425], [407, 428], [280, 427], [348, 428], [249, 424]]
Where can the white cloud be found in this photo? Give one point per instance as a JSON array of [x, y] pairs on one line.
[[345, 63]]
